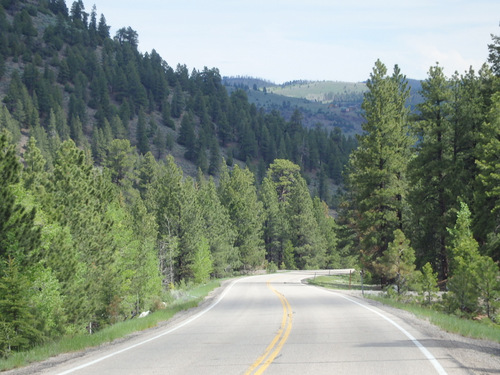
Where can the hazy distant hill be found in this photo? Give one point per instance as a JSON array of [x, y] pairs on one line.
[[342, 111], [322, 91], [328, 103]]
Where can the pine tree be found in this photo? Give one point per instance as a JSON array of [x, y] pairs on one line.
[[276, 225], [34, 174], [494, 54], [430, 197], [464, 266], [103, 28], [79, 198], [18, 234], [163, 198], [54, 140], [238, 194], [217, 229], [377, 174], [17, 324], [488, 285], [147, 173], [397, 264], [8, 123], [469, 102], [201, 263], [166, 115], [187, 136], [488, 197], [428, 283], [98, 146], [118, 129], [308, 243], [61, 124], [135, 90], [141, 134], [190, 232], [328, 229], [120, 161], [177, 105], [201, 158], [138, 271], [215, 158]]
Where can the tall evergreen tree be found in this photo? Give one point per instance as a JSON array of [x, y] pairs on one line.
[[103, 28], [217, 229], [309, 245], [163, 198], [79, 198], [34, 174], [465, 256], [431, 197], [18, 234], [142, 134], [17, 323], [328, 229], [191, 239], [238, 194], [276, 226], [177, 105], [378, 167], [120, 160], [8, 123], [488, 197], [494, 54]]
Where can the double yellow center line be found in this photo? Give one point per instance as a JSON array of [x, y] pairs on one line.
[[273, 349]]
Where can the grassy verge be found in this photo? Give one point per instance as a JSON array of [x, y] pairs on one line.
[[72, 344], [484, 329], [342, 282]]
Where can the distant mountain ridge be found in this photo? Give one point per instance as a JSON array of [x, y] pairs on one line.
[[326, 103]]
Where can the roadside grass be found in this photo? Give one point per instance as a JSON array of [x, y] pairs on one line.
[[483, 329], [343, 282], [186, 300]]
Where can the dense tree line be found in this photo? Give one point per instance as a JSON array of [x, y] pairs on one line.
[[423, 188], [85, 245]]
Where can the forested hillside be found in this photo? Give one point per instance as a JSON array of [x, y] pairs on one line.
[[123, 178], [94, 87], [106, 199]]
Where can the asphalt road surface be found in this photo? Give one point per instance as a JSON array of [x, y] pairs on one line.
[[274, 324]]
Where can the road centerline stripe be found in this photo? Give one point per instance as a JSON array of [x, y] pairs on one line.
[[273, 349]]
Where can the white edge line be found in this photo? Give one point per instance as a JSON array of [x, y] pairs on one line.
[[186, 322], [417, 343]]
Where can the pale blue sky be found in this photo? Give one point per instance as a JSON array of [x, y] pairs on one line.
[[284, 40]]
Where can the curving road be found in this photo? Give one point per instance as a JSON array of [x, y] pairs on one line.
[[274, 324]]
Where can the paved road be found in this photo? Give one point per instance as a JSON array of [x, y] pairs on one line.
[[274, 324]]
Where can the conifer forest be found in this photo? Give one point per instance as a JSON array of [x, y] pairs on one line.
[[122, 177]]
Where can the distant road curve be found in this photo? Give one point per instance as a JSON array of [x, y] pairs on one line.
[[275, 324]]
